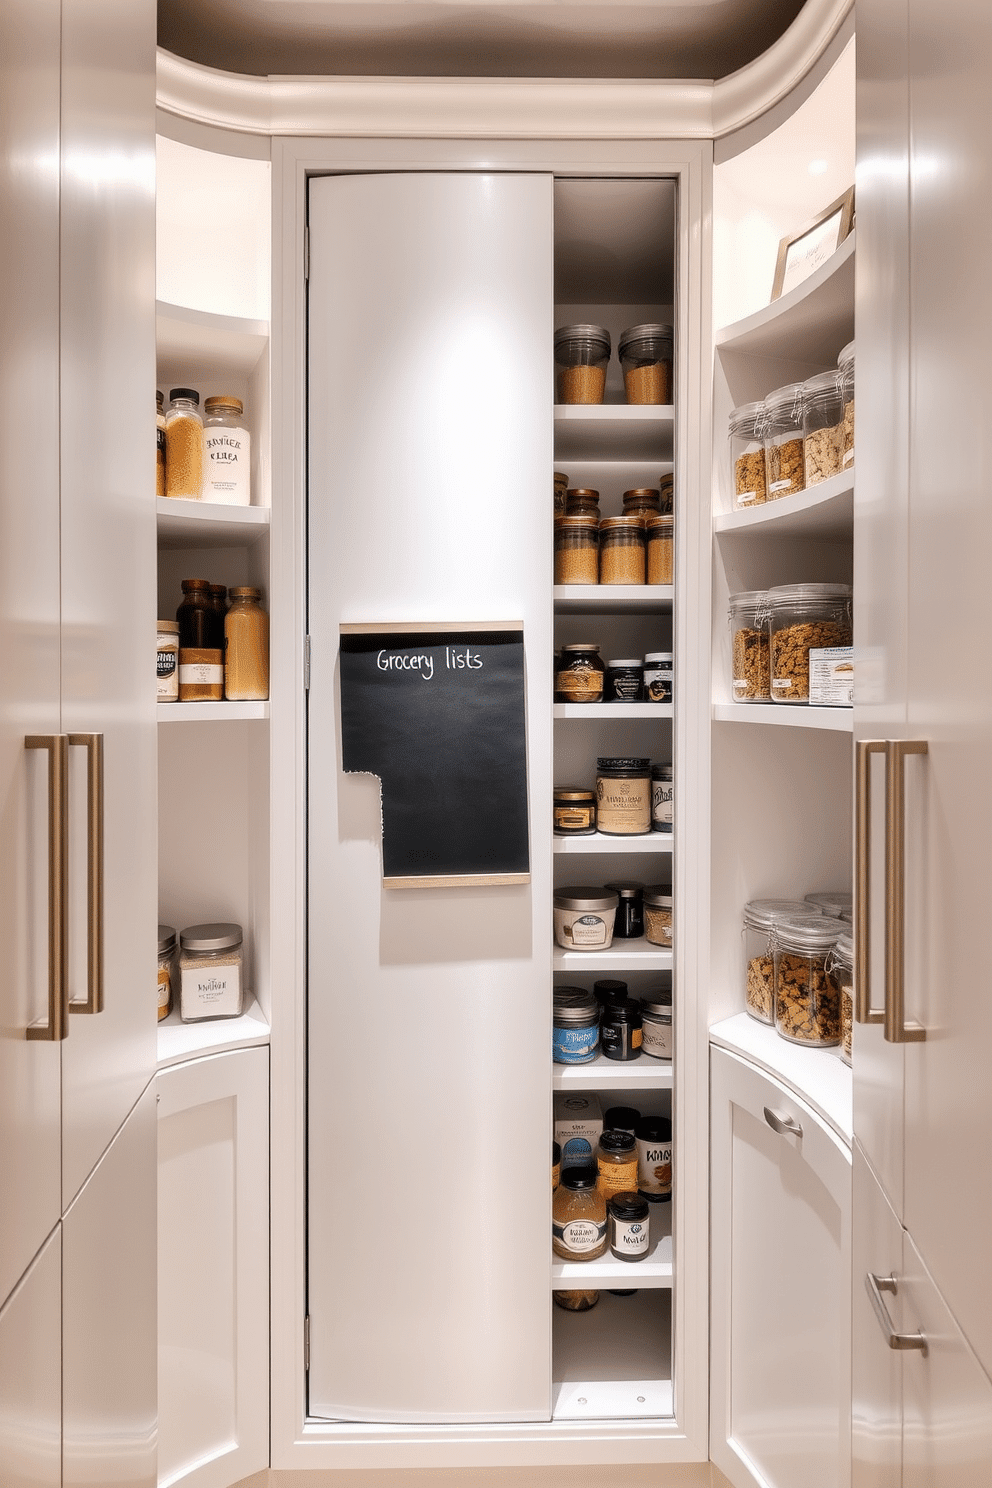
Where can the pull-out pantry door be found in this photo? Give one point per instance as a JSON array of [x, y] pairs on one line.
[[430, 459]]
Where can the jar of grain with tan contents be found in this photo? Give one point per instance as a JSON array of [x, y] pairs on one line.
[[184, 445], [581, 501], [845, 376], [576, 550], [760, 918], [582, 353], [750, 675], [840, 969], [643, 501], [621, 550], [807, 1003], [823, 428], [660, 535], [782, 433], [658, 915], [803, 617], [246, 651], [645, 353], [747, 455], [160, 489]]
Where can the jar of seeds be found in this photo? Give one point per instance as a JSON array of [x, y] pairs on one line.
[[210, 972], [660, 534], [621, 550], [645, 353], [582, 353], [184, 445], [576, 550]]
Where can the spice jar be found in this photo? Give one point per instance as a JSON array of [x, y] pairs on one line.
[[659, 677], [783, 440], [759, 920], [840, 969], [246, 649], [747, 454], [629, 923], [581, 501], [659, 534], [654, 1159], [642, 501], [576, 1301], [658, 915], [578, 1215], [621, 550], [574, 811], [823, 427], [159, 445], [210, 972], [623, 795], [835, 902], [801, 617], [555, 1166], [581, 674], [662, 798], [807, 1003], [561, 486], [845, 376], [621, 1118], [623, 680], [581, 356], [584, 918], [227, 452], [166, 969], [645, 353], [184, 445], [628, 1226], [617, 1161], [576, 1026], [201, 658], [576, 550], [620, 1030], [656, 1025], [167, 662], [751, 676]]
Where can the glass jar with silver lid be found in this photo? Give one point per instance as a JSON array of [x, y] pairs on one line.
[[576, 1026], [584, 918], [656, 1025], [211, 963]]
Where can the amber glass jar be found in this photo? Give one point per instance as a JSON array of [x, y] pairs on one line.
[[621, 550], [643, 501], [201, 658], [581, 501], [578, 1215], [246, 657], [581, 674], [576, 550]]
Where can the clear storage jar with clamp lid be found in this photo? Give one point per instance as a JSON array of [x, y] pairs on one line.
[[845, 374], [759, 921], [807, 1004], [803, 617], [782, 433], [645, 353], [576, 550], [750, 667], [823, 427], [582, 353], [840, 970], [747, 455]]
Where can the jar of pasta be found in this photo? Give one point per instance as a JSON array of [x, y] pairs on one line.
[[782, 433], [747, 454], [645, 353], [823, 427], [807, 1003], [576, 550], [803, 617], [582, 353], [760, 918], [750, 675], [621, 550]]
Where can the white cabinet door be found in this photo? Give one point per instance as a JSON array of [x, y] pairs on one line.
[[31, 1374], [876, 1373], [29, 618], [780, 1216], [108, 1309], [213, 1256]]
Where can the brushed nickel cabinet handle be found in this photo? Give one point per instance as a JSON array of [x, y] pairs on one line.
[[897, 1030], [875, 1286], [57, 1025], [863, 1010], [784, 1125], [93, 744]]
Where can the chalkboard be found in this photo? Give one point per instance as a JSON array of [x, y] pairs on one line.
[[438, 714]]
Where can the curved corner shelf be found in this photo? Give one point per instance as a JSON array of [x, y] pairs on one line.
[[818, 1076], [778, 715], [823, 511], [178, 1041], [205, 524], [616, 711], [810, 323], [210, 712], [604, 599], [643, 1073], [604, 842], [630, 955], [207, 345], [614, 431]]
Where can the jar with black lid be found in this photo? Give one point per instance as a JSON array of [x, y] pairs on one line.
[[609, 989], [628, 1221], [654, 1159], [574, 811], [576, 1026], [581, 674], [620, 1030], [578, 1215], [629, 923], [623, 795], [624, 680], [621, 1118]]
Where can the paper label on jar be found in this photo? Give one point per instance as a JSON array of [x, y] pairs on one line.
[[783, 684], [588, 930], [848, 457], [654, 1167], [658, 686], [617, 1177], [193, 673], [780, 485], [657, 1038], [210, 991], [630, 1236], [580, 1235], [744, 498], [662, 805]]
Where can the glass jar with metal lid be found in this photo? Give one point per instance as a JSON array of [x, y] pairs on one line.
[[210, 972], [584, 918], [226, 452], [654, 1159], [807, 1004], [645, 353], [835, 902], [581, 674], [656, 1025], [617, 1161], [582, 353], [574, 811], [823, 427], [623, 795], [659, 532], [578, 1215], [628, 1226], [840, 970], [782, 434], [629, 923], [760, 918], [803, 617], [581, 501], [845, 377], [658, 910], [620, 1029], [576, 1026], [747, 455], [642, 501], [167, 941], [750, 669], [576, 550], [621, 550]]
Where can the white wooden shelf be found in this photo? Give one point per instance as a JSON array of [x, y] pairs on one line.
[[823, 511], [811, 323], [602, 842], [654, 1271], [613, 431], [642, 1073], [623, 955], [786, 715], [603, 599], [613, 1363], [205, 524], [206, 344], [613, 710], [210, 712], [818, 1076], [179, 1041]]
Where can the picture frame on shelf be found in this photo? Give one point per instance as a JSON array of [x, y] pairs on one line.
[[804, 252]]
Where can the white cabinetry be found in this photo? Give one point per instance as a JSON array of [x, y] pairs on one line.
[[31, 1374]]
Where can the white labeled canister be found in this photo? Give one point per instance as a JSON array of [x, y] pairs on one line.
[[226, 453]]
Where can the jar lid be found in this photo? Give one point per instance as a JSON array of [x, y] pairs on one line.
[[585, 492], [618, 1140], [192, 586], [573, 793], [844, 948], [627, 765], [584, 897], [189, 393], [628, 523], [560, 478], [582, 523], [626, 661], [220, 589], [245, 591], [746, 418], [628, 1206], [659, 657], [214, 937], [641, 493], [761, 914], [170, 627], [660, 522], [609, 988], [785, 595], [659, 896], [846, 354], [784, 397], [654, 1129], [662, 772], [659, 1007], [746, 598], [832, 901], [166, 939], [159, 399], [574, 1005], [583, 333], [823, 382], [626, 890], [811, 932], [582, 646], [646, 332], [581, 1176], [224, 403], [620, 1118]]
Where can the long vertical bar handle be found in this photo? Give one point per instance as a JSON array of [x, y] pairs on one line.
[[863, 1010], [57, 1025], [897, 1030], [93, 744]]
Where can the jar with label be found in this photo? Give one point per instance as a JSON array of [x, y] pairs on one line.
[[617, 1161], [621, 550], [582, 354], [227, 452], [555, 1166], [747, 455], [750, 668], [210, 972], [645, 353], [576, 1026], [840, 970], [201, 658], [654, 1159], [823, 427], [574, 811], [623, 796], [581, 674], [659, 533], [246, 647], [166, 969], [845, 378], [629, 1226], [184, 445], [658, 911], [803, 617], [656, 1025], [759, 921], [561, 486], [807, 1003], [629, 923], [159, 445], [783, 440], [659, 677], [642, 501], [167, 662], [576, 550], [578, 1215], [621, 1118], [582, 501], [835, 902], [620, 1030], [584, 918], [623, 680], [662, 798]]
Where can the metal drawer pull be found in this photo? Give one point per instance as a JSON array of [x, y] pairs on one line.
[[93, 744], [784, 1125], [875, 1286], [897, 1030], [57, 1025], [863, 1010]]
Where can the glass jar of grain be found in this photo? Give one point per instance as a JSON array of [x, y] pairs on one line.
[[783, 440], [660, 535], [823, 427], [658, 915], [159, 445], [621, 550], [580, 501], [578, 1215], [840, 969], [246, 654], [576, 550], [211, 983], [645, 353], [803, 617], [747, 454], [582, 353], [643, 501], [807, 1003], [184, 445], [759, 921]]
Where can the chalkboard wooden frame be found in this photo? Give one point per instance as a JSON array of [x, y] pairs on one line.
[[514, 824]]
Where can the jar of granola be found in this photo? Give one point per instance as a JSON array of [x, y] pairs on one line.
[[747, 454], [845, 376], [750, 677], [582, 353], [840, 969], [807, 1004], [760, 919], [621, 550], [576, 550], [823, 427], [782, 433], [803, 617]]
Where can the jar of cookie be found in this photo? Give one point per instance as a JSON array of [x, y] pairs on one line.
[[760, 918], [807, 1000]]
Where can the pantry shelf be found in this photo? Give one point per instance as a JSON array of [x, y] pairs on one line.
[[613, 431], [210, 712], [654, 1271], [631, 955], [839, 720], [811, 322], [613, 1363], [178, 1041], [642, 1073], [607, 599], [602, 842], [824, 511], [215, 345], [204, 524], [818, 1076], [613, 710]]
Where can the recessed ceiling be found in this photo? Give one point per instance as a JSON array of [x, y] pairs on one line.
[[475, 38]]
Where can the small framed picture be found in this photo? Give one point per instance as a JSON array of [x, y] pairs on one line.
[[800, 256]]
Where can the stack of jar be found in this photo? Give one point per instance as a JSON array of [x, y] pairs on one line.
[[581, 676], [212, 651], [799, 435], [632, 797], [201, 972], [609, 1021], [582, 355], [636, 547], [775, 630], [202, 458], [798, 968], [589, 918]]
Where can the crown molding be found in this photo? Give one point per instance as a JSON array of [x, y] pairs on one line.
[[500, 108]]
